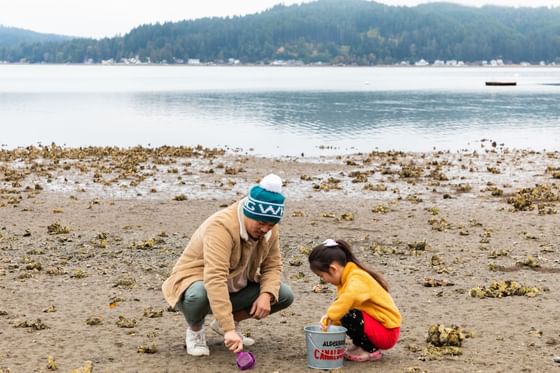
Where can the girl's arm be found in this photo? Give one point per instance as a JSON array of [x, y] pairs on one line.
[[353, 294]]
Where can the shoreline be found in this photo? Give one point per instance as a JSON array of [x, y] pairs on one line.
[[87, 239]]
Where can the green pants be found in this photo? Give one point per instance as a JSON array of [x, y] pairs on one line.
[[194, 304]]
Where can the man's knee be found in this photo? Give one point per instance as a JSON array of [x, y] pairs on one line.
[[194, 299], [285, 296]]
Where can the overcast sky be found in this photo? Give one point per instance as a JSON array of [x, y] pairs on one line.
[[100, 18]]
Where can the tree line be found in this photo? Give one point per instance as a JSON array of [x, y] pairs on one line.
[[354, 32]]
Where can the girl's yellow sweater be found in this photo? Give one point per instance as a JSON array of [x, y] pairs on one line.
[[358, 290]]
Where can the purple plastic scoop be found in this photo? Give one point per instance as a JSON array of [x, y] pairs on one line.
[[245, 360]]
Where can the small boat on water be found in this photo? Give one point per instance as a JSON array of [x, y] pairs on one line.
[[501, 83]]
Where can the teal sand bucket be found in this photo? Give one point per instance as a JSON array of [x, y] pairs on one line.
[[325, 349]]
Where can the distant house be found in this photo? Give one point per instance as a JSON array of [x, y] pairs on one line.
[[422, 62], [193, 61]]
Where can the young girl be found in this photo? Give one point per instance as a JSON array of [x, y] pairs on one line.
[[362, 305]]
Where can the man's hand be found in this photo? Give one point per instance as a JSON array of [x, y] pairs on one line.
[[233, 341], [261, 306]]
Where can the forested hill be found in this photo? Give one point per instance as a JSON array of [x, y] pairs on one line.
[[12, 37], [329, 31]]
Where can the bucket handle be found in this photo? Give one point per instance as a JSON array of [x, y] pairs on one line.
[[338, 356]]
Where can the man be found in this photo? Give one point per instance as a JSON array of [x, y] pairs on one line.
[[232, 268]]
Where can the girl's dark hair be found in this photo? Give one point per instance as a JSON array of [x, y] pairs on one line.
[[321, 257]]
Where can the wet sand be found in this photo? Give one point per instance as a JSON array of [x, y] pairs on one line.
[[87, 236]]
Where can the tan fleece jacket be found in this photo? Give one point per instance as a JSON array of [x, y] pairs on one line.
[[216, 253]]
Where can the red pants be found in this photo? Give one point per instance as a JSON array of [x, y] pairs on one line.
[[379, 335]]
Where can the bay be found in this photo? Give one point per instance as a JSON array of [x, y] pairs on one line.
[[273, 111]]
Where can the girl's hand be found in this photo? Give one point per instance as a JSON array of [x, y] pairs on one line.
[[325, 322]]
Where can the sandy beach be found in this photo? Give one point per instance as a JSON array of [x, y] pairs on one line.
[[465, 239]]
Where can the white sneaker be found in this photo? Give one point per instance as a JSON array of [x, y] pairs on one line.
[[196, 343], [247, 341]]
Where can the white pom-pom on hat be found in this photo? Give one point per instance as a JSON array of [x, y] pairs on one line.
[[272, 183]]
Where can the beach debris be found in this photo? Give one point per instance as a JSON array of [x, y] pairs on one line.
[[433, 282], [504, 288], [79, 273], [305, 177], [320, 288], [413, 198], [51, 364], [439, 335], [35, 325], [556, 359], [462, 188], [432, 352], [87, 368], [382, 249], [298, 214], [439, 265], [530, 262], [494, 191], [375, 187], [328, 215], [152, 312], [493, 170], [524, 199], [304, 250], [57, 228], [529, 236], [433, 210], [295, 261], [149, 244], [485, 235], [546, 209], [114, 302], [380, 209], [149, 348], [534, 332], [410, 171], [418, 247], [50, 309], [124, 322], [5, 370], [55, 271], [297, 276], [359, 176], [414, 370], [553, 171], [330, 184], [180, 197], [438, 224], [125, 281], [437, 174], [33, 266], [347, 216], [94, 320], [497, 253]]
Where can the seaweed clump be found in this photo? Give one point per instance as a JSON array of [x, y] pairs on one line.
[[499, 289], [444, 342], [525, 199]]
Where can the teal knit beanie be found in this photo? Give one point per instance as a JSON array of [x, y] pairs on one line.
[[265, 201]]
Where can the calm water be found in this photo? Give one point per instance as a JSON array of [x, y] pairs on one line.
[[280, 110]]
